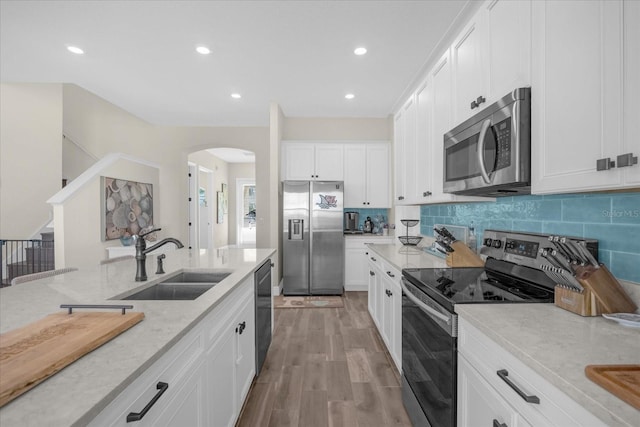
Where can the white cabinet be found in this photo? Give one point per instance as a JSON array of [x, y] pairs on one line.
[[391, 295], [385, 304], [494, 384], [200, 381], [584, 109], [480, 404], [491, 56], [367, 175], [405, 152], [304, 161], [356, 265]]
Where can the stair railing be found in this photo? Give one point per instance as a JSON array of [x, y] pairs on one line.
[[20, 257]]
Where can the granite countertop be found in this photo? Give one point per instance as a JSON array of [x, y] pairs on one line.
[[401, 256], [558, 344], [80, 391]]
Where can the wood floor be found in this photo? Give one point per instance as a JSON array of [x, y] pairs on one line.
[[326, 367]]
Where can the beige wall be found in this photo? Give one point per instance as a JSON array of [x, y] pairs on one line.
[[30, 156], [74, 160], [78, 221]]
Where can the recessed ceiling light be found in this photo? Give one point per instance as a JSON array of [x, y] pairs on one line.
[[360, 50], [75, 49], [236, 96], [203, 50], [349, 96]]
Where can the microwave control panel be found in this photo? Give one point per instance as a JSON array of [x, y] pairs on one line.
[[503, 143]]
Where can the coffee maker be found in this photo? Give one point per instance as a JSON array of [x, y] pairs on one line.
[[351, 222]]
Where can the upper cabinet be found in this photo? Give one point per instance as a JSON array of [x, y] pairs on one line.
[[367, 180], [306, 161], [585, 110], [491, 56]]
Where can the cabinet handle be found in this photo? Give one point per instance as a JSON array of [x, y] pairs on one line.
[[497, 423], [373, 259], [605, 164], [400, 197], [426, 193], [390, 274], [137, 416], [481, 100], [241, 327], [368, 203], [388, 292], [364, 203], [628, 159], [371, 273], [503, 374]]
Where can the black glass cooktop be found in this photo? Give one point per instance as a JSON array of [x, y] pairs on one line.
[[450, 286]]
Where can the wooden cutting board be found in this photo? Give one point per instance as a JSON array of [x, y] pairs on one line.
[[621, 380], [33, 353]]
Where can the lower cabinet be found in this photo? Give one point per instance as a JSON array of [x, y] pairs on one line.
[[496, 388], [356, 267], [202, 380], [385, 304]]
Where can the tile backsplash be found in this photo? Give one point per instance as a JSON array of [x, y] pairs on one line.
[[612, 218], [364, 213]]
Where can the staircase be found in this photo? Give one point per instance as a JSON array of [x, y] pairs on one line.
[[20, 257]]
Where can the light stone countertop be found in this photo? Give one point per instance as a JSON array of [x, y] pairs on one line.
[[558, 344], [80, 391], [401, 256]]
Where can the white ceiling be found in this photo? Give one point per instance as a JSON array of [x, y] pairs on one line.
[[140, 55], [233, 155]]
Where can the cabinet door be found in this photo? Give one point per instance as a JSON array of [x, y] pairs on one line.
[[299, 161], [329, 162], [468, 69], [423, 160], [508, 46], [441, 109], [356, 269], [631, 85], [398, 157], [407, 163], [396, 322], [371, 289], [221, 380], [188, 406], [245, 354], [378, 176], [355, 175], [479, 404], [576, 103]]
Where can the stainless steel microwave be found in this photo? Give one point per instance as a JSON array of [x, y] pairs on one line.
[[490, 153]]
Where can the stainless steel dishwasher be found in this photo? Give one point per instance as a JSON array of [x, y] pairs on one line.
[[263, 312]]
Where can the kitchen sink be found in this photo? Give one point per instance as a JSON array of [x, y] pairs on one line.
[[187, 285]]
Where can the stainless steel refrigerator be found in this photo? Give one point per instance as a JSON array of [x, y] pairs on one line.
[[313, 237]]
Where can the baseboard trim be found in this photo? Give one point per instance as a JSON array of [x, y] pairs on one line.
[[357, 288]]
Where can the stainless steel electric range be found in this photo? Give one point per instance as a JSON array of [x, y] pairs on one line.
[[519, 268]]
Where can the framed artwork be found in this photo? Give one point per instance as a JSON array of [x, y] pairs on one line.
[[127, 207], [220, 198], [225, 195]]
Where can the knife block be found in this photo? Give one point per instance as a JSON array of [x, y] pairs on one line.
[[610, 295], [582, 303], [462, 256]]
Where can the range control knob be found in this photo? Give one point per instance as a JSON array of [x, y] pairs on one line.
[[510, 244], [487, 241], [497, 244]]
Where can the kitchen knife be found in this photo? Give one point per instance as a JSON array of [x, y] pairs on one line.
[[448, 234], [570, 246], [586, 254], [564, 263]]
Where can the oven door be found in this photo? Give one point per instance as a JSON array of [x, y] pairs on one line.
[[429, 348]]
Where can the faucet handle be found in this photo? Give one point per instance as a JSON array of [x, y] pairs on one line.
[[149, 232]]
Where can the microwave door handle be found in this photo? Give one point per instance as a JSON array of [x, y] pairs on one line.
[[483, 132], [430, 311]]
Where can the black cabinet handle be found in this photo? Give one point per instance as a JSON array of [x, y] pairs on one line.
[[503, 374], [373, 259], [371, 273], [241, 327], [497, 423], [400, 197], [426, 193], [390, 274], [137, 416], [388, 292]]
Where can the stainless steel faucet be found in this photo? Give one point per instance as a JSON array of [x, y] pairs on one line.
[[142, 251]]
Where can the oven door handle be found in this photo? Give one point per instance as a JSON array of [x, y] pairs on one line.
[[483, 133], [425, 307]]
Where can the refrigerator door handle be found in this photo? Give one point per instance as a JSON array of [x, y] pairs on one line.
[[296, 229]]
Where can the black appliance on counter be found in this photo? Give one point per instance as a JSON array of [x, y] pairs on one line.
[[517, 270]]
